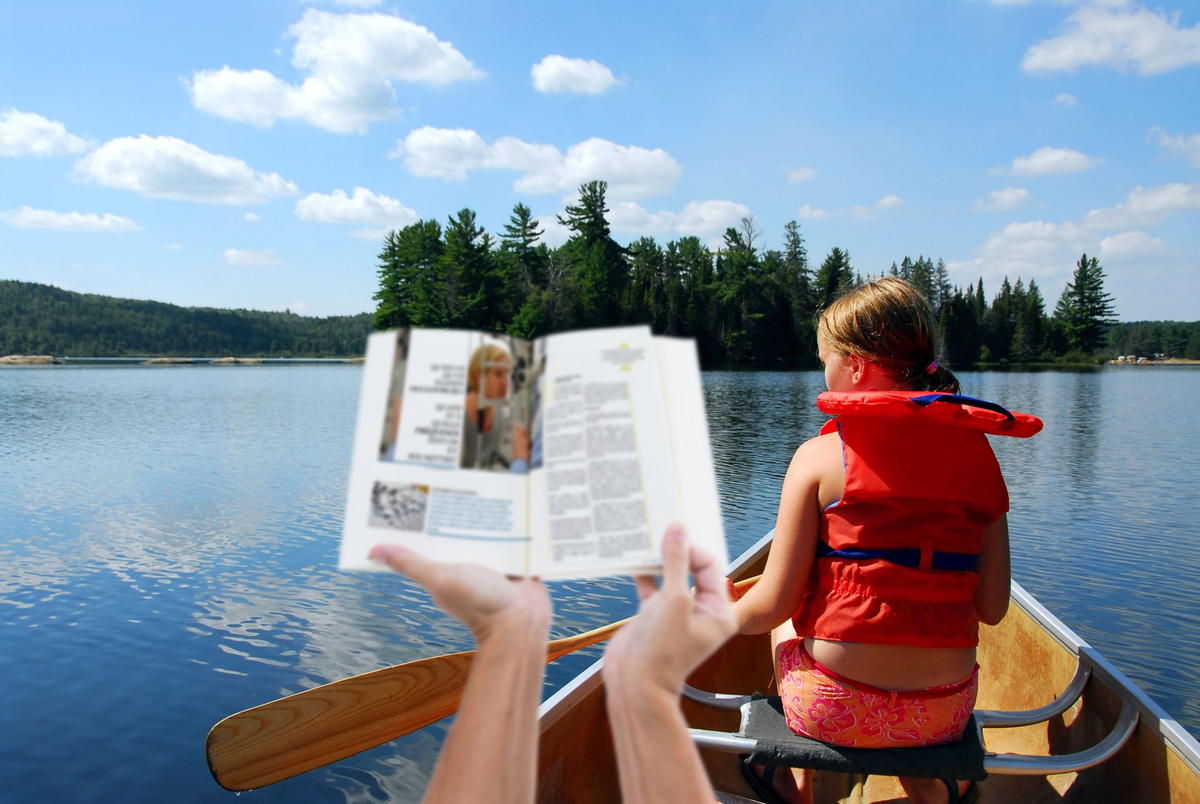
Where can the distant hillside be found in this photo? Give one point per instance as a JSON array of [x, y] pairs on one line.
[[40, 319]]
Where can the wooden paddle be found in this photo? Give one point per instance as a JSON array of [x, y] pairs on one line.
[[284, 738]]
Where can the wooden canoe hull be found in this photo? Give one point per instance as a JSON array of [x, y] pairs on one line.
[[1025, 662]]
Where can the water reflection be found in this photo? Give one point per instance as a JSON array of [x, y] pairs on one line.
[[169, 537]]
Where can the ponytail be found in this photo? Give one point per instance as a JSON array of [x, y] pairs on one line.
[[942, 379]]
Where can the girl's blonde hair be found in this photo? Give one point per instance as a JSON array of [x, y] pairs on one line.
[[888, 322], [489, 353]]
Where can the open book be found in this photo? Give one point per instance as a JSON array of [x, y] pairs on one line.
[[567, 456]]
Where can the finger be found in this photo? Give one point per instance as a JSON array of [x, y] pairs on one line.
[[675, 559], [403, 561], [646, 587], [710, 581]]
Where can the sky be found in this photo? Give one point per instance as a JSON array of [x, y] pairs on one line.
[[251, 155]]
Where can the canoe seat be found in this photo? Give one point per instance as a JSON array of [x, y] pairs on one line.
[[765, 738]]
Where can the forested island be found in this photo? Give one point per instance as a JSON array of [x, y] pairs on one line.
[[743, 303], [40, 319]]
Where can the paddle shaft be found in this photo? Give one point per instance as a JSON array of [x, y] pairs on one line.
[[284, 738]]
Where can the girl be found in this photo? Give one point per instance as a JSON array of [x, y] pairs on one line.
[[890, 547]]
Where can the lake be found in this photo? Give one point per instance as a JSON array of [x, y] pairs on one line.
[[168, 538]]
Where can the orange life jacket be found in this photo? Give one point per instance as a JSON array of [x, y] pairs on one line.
[[896, 560]]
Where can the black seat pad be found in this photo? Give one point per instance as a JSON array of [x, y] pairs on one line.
[[778, 745]]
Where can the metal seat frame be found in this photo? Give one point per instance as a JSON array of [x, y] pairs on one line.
[[993, 763]]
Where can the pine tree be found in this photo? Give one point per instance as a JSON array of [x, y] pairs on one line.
[[1085, 310], [598, 265], [834, 277], [521, 234]]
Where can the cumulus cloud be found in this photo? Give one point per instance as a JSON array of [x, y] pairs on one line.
[[253, 217], [1049, 161], [30, 218], [364, 207], [166, 167], [1066, 99], [631, 171], [801, 174], [1008, 198], [554, 233], [29, 134], [707, 220], [249, 259], [349, 62], [1179, 145], [574, 76], [1147, 206], [710, 219], [1131, 245], [1121, 35], [631, 217], [889, 202], [809, 213]]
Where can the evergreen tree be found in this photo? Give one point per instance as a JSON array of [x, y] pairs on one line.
[[1085, 309], [412, 288], [598, 265], [834, 277], [521, 234]]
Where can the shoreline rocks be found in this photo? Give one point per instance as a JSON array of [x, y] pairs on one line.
[[169, 361], [30, 360], [236, 361]]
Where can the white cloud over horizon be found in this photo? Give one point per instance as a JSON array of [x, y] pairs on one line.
[[559, 74], [30, 218], [810, 213], [1066, 99], [1049, 161], [630, 170], [252, 217], [1007, 199], [29, 134], [889, 202], [250, 259], [1122, 35], [349, 62], [801, 174], [364, 207], [166, 167]]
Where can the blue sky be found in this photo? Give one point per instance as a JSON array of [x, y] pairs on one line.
[[211, 153]]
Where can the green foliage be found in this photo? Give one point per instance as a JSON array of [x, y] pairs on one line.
[[40, 319], [1085, 309]]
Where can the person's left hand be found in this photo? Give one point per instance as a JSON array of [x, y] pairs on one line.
[[479, 598]]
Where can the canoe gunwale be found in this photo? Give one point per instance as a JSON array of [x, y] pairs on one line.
[[1152, 716]]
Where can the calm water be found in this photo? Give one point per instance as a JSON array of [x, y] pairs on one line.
[[167, 538]]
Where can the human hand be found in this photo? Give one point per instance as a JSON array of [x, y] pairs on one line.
[[674, 631], [520, 443], [481, 599]]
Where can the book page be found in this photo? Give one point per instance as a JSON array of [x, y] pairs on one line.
[[442, 449], [691, 451], [605, 489]]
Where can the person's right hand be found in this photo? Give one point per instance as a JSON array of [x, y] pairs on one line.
[[480, 598], [674, 631]]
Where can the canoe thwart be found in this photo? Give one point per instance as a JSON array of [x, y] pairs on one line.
[[995, 719]]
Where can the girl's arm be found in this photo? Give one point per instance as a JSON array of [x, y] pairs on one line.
[[995, 573], [776, 597]]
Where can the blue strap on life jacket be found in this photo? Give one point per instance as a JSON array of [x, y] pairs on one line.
[[905, 557], [929, 399]]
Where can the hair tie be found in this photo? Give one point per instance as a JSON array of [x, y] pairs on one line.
[[932, 367]]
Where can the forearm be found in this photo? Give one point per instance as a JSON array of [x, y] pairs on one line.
[[656, 758], [491, 751], [759, 612]]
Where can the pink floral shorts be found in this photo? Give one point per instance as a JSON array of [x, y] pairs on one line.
[[827, 707]]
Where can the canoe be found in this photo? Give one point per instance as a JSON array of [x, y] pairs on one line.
[[1027, 662]]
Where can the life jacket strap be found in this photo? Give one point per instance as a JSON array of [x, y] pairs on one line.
[[928, 399], [905, 557]]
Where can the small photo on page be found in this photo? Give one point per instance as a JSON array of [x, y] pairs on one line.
[[399, 506], [497, 405]]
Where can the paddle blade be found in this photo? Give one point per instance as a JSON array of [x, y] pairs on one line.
[[302, 732]]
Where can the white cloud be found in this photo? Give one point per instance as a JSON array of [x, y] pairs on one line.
[[554, 234], [1121, 35], [1131, 245], [1008, 198], [29, 134], [1180, 145], [1037, 249], [889, 202], [249, 259], [801, 174], [353, 3], [30, 218], [1049, 161], [166, 167], [632, 218], [861, 213], [173, 247], [710, 219], [631, 171], [576, 76], [349, 62], [364, 207], [1066, 99], [253, 217], [808, 213], [1147, 206]]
